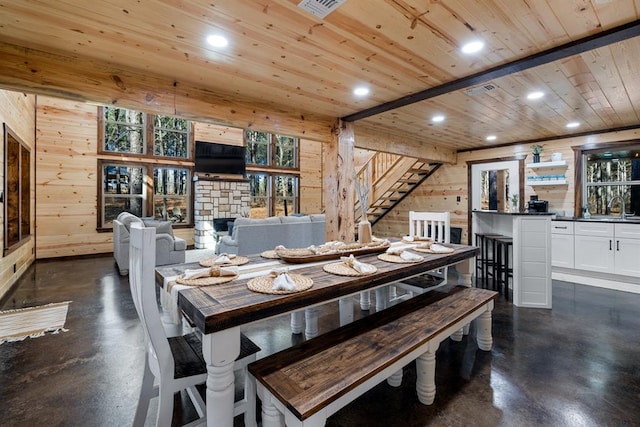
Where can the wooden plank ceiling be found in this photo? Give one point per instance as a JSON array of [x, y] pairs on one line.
[[289, 71]]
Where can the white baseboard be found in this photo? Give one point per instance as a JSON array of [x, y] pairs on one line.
[[590, 279]]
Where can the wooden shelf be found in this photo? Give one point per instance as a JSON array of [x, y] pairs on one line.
[[547, 182], [559, 163]]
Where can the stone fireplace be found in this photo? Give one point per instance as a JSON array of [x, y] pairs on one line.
[[217, 198]]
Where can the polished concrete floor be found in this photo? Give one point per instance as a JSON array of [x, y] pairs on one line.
[[575, 365]]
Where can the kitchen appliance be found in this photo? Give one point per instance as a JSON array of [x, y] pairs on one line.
[[535, 205]]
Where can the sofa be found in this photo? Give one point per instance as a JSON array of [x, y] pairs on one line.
[[169, 249], [255, 235]]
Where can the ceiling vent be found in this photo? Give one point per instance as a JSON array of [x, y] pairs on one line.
[[480, 89], [320, 8]]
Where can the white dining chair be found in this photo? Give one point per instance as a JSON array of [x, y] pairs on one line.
[[176, 363], [435, 226]]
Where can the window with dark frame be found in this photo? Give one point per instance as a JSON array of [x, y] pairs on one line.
[[611, 175], [17, 191], [147, 183], [273, 173]]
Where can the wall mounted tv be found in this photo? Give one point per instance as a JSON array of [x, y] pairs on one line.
[[213, 158]]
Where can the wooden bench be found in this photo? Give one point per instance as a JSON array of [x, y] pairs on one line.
[[309, 382]]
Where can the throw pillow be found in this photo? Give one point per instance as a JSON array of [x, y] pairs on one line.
[[162, 227]]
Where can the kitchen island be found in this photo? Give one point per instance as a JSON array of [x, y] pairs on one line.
[[531, 233]]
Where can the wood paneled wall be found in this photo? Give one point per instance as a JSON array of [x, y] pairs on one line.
[[311, 166], [67, 177], [17, 110], [439, 193]]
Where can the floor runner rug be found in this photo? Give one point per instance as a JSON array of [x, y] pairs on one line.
[[16, 325]]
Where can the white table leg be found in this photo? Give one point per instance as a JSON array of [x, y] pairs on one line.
[[485, 340], [365, 300], [382, 298], [297, 322], [271, 417], [395, 380], [220, 350], [346, 311], [465, 270], [311, 322], [426, 375]]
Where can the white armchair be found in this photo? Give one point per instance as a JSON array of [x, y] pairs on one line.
[[169, 249]]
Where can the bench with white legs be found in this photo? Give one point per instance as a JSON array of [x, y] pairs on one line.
[[305, 384]]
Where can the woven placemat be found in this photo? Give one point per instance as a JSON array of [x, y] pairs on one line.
[[398, 259], [342, 269], [429, 251], [238, 260], [270, 254], [264, 284], [205, 281]]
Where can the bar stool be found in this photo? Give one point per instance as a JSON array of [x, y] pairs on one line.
[[504, 271], [485, 241]]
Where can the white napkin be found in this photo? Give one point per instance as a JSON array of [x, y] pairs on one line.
[[230, 270], [439, 249], [282, 281], [358, 266], [395, 251], [224, 259], [410, 256], [196, 273]]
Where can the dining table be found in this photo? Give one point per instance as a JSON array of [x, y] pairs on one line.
[[220, 311]]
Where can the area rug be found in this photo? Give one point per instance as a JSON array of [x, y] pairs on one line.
[[33, 322]]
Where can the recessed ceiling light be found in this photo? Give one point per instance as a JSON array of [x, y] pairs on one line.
[[361, 91], [437, 118], [491, 138], [217, 41], [535, 95], [572, 125], [473, 47]]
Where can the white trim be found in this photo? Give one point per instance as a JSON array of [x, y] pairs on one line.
[[575, 277]]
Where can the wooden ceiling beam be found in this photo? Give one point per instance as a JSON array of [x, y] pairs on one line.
[[605, 38], [376, 140], [63, 75]]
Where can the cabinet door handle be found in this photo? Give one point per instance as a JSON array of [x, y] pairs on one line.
[[560, 228], [618, 245], [610, 243]]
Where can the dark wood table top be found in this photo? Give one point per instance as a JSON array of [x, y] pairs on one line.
[[219, 307]]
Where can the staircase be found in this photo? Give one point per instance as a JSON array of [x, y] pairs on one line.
[[389, 178]]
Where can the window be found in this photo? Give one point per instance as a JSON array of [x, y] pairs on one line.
[[17, 190], [122, 190], [273, 194], [272, 165], [150, 182], [266, 149], [171, 193], [610, 176]]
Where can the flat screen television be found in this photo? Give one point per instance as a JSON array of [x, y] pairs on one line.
[[213, 158]]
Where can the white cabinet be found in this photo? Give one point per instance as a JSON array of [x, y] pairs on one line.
[[562, 248], [607, 248], [594, 253], [627, 249]]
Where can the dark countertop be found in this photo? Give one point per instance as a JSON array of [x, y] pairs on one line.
[[514, 213], [615, 220]]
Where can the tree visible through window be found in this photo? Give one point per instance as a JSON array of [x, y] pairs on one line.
[[611, 177], [272, 164], [148, 182]]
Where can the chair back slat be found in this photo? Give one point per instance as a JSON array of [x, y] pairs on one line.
[[435, 225], [142, 249]]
